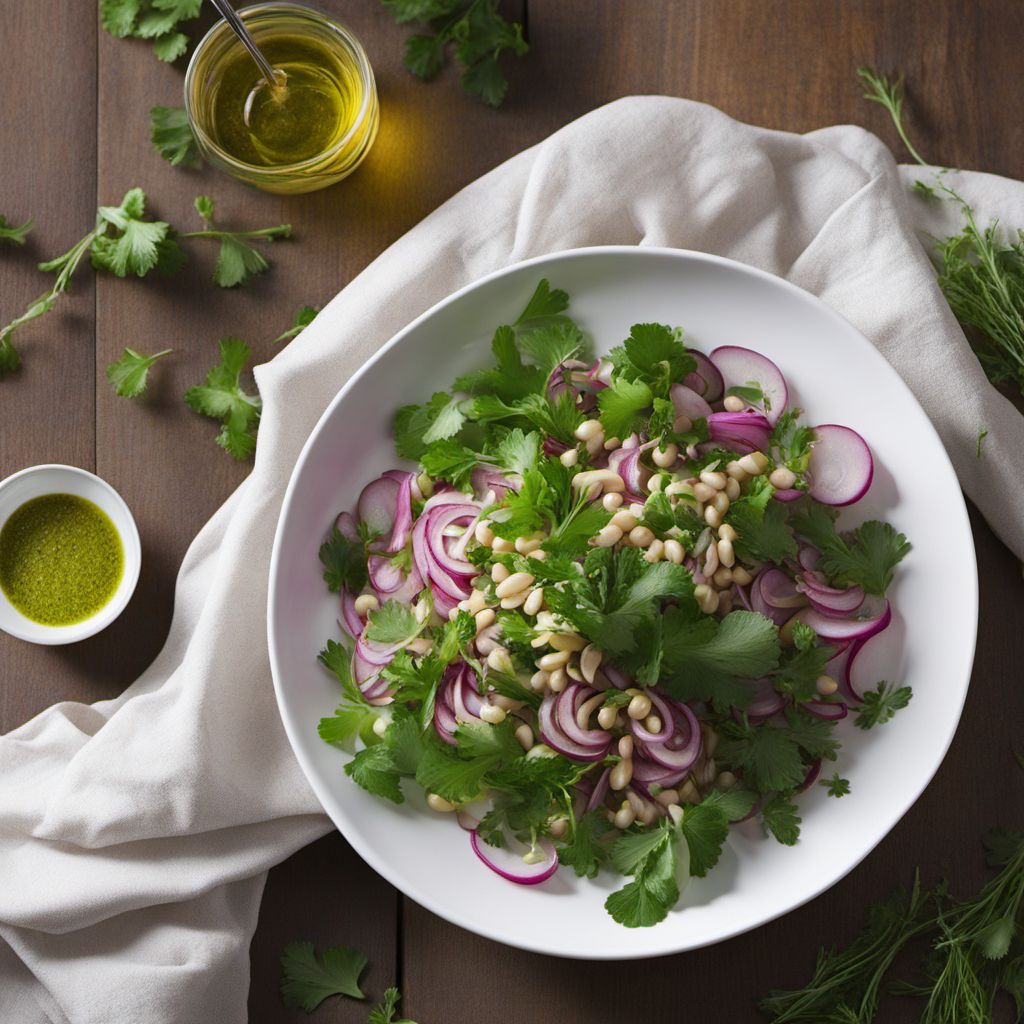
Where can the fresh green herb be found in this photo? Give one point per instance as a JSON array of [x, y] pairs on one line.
[[303, 319], [762, 529], [791, 442], [392, 623], [121, 242], [129, 374], [799, 670], [925, 191], [889, 95], [705, 826], [704, 658], [159, 20], [780, 818], [865, 557], [457, 773], [837, 786], [583, 851], [804, 637], [623, 406], [379, 769], [478, 32], [385, 1013], [172, 136], [653, 354], [222, 398], [881, 704], [353, 716], [653, 859], [344, 562], [982, 434], [237, 261], [15, 235], [307, 980]]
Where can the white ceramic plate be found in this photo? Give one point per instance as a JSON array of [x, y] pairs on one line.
[[836, 376]]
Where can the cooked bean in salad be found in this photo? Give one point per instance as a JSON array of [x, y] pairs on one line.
[[610, 613]]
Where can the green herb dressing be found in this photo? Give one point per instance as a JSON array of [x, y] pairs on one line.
[[61, 559]]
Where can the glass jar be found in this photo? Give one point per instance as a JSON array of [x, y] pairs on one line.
[[291, 36]]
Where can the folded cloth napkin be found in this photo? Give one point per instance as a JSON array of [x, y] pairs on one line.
[[135, 834]]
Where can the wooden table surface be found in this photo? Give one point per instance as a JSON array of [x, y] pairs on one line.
[[74, 133]]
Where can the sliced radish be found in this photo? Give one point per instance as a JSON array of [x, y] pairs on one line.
[[743, 366], [378, 504], [841, 467], [511, 860]]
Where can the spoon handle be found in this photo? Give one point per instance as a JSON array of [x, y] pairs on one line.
[[230, 15]]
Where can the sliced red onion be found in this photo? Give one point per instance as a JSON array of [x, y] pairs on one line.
[[744, 598], [374, 653], [688, 403], [553, 448], [767, 701], [561, 379], [468, 822], [774, 595], [808, 557], [788, 495], [350, 618], [646, 773], [412, 584], [553, 735], [403, 514], [487, 478], [504, 861], [384, 576], [626, 462], [831, 629], [378, 505], [828, 600], [831, 711], [841, 468], [567, 703], [599, 792], [617, 677], [448, 589], [811, 777], [667, 722], [682, 749], [742, 367], [363, 671], [708, 374], [346, 525], [740, 431]]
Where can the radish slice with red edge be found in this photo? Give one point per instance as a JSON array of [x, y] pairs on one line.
[[841, 468], [787, 495], [508, 862], [741, 367], [351, 619], [829, 628], [346, 525], [377, 505], [830, 711], [742, 432]]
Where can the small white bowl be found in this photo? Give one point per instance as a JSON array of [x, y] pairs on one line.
[[36, 481]]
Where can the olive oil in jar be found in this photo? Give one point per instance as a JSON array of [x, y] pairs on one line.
[[309, 130], [315, 105]]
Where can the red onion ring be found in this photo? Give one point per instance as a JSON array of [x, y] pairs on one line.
[[502, 861], [740, 431], [552, 734]]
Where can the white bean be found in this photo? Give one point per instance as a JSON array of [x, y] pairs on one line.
[[714, 478], [366, 603], [666, 458], [534, 601], [438, 803], [569, 457], [611, 501], [493, 715], [726, 554], [733, 403], [485, 618], [624, 520], [641, 536], [588, 429], [674, 552], [782, 478], [608, 537]]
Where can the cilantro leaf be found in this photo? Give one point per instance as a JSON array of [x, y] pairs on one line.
[[306, 980], [510, 379], [762, 531], [159, 20], [353, 716], [583, 851], [374, 770], [344, 563], [221, 397], [237, 261], [126, 244], [866, 557], [552, 344], [451, 461], [385, 1013], [518, 452], [654, 355], [705, 826], [623, 405], [881, 704], [798, 673], [172, 136], [837, 786], [707, 659], [392, 623], [812, 734], [545, 306], [129, 374], [790, 443], [767, 757], [654, 890], [457, 773], [303, 318], [780, 818], [10, 233]]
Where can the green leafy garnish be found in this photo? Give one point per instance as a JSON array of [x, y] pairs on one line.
[[889, 95], [306, 980], [583, 850], [129, 374], [881, 704], [14, 234], [865, 557], [837, 786], [762, 529], [779, 816], [654, 354], [172, 136], [392, 623], [791, 443], [353, 716], [652, 858], [237, 261], [385, 1013], [344, 562], [478, 32], [705, 826], [303, 318], [222, 398], [159, 20]]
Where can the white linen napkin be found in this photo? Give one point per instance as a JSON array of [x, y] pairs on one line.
[[135, 834]]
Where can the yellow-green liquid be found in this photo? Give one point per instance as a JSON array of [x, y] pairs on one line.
[[61, 559], [274, 127]]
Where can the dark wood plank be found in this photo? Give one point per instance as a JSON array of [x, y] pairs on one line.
[[47, 162], [325, 895]]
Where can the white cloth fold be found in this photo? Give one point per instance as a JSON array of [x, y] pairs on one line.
[[135, 834]]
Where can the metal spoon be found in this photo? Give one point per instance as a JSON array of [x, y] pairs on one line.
[[275, 79]]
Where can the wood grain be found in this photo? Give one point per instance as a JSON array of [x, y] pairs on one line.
[[75, 132]]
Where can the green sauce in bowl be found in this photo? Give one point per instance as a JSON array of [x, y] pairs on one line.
[[61, 559]]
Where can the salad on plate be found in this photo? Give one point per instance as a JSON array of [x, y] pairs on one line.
[[611, 613]]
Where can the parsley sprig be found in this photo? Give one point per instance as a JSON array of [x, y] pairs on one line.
[[158, 20], [15, 234]]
